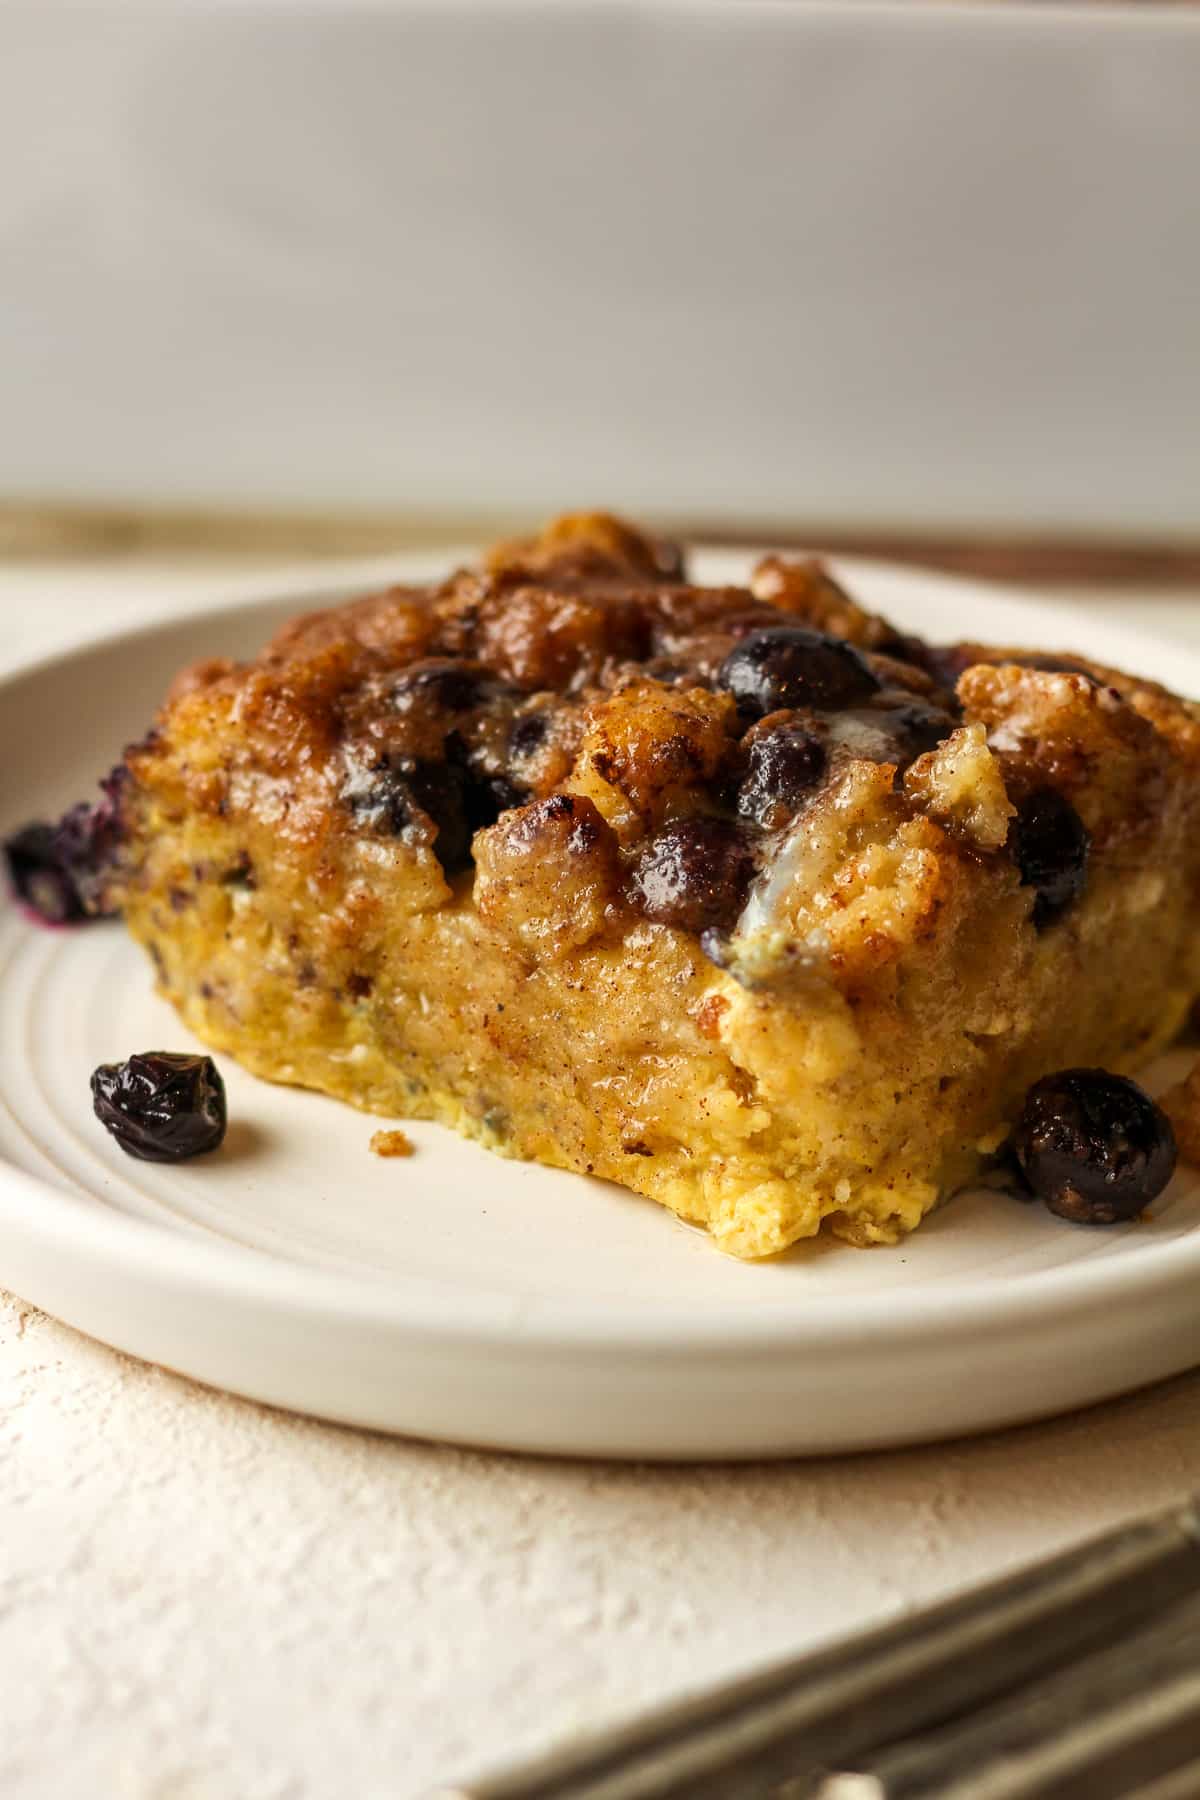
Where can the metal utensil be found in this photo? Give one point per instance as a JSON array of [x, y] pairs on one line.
[[1007, 1671]]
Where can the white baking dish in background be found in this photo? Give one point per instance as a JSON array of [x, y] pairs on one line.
[[917, 266]]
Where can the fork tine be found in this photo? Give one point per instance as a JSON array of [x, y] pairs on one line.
[[1096, 1730], [839, 1705]]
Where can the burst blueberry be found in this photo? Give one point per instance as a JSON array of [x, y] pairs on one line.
[[784, 766], [1051, 845], [59, 869], [38, 876]]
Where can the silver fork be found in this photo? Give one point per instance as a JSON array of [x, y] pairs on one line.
[[1075, 1679]]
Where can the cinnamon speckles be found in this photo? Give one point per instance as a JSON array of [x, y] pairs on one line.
[[548, 873], [650, 751]]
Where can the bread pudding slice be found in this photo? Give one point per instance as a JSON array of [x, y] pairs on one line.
[[738, 897]]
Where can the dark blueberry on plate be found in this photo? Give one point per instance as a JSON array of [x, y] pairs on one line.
[[161, 1106], [784, 765], [786, 666], [693, 874], [39, 878], [1093, 1146], [1050, 843], [58, 869], [89, 836]]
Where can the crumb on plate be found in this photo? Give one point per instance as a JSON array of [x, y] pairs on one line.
[[392, 1143]]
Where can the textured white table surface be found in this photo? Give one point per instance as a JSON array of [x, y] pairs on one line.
[[204, 1600]]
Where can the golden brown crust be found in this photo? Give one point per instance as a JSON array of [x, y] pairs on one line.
[[804, 587], [548, 873], [589, 547]]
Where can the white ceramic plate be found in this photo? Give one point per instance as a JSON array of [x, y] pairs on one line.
[[458, 1295]]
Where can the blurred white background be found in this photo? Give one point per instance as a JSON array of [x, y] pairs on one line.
[[747, 261]]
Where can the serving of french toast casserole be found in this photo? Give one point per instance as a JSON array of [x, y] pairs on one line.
[[738, 896]]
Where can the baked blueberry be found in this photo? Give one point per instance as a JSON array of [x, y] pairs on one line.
[[88, 837], [527, 735], [1050, 843], [442, 682], [1093, 1146], [409, 795], [787, 666], [693, 874], [487, 796], [58, 869], [440, 791], [38, 876], [161, 1106], [916, 725], [784, 765]]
